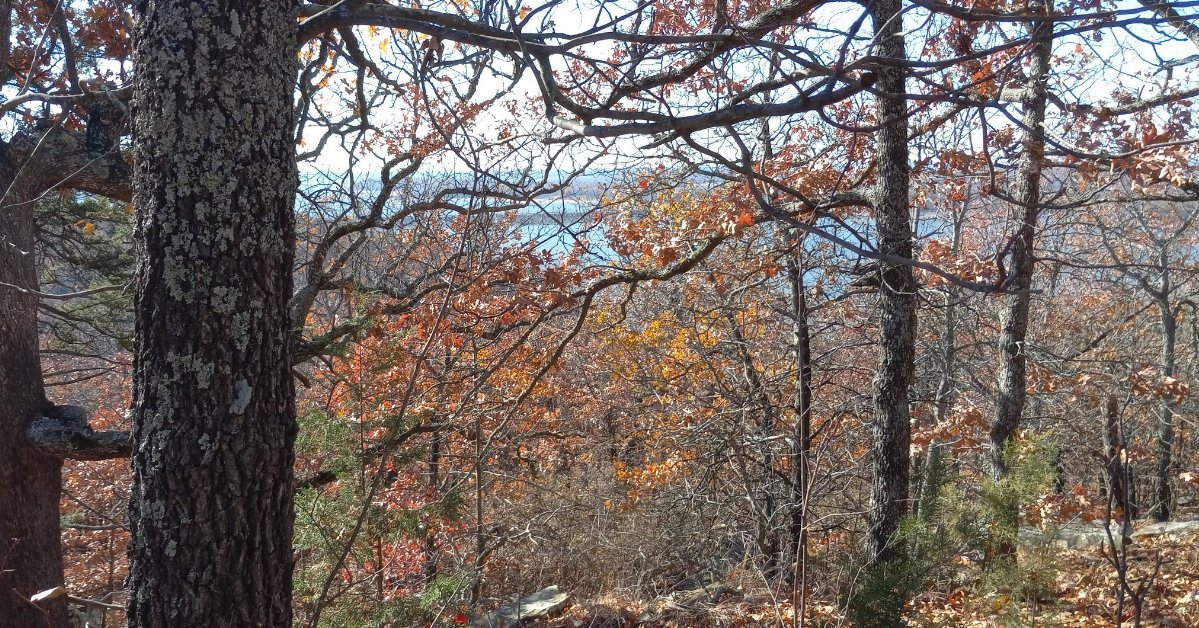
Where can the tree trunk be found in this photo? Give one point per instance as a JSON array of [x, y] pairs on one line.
[[892, 428], [430, 569], [767, 536], [211, 510], [30, 482], [930, 475], [801, 443], [434, 475], [1115, 465], [1013, 385], [33, 436], [1165, 417]]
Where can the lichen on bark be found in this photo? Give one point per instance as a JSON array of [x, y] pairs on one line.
[[214, 416]]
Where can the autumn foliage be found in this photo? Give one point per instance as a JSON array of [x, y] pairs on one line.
[[591, 296]]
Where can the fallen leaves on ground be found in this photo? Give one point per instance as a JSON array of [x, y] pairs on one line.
[[1086, 597]]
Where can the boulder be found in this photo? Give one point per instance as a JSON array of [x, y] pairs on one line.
[[1073, 535], [1168, 527], [544, 603]]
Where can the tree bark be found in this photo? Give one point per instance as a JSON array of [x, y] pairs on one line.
[[1165, 418], [32, 163], [63, 432], [943, 397], [211, 509], [1115, 465], [801, 439], [1013, 385], [30, 481], [892, 429]]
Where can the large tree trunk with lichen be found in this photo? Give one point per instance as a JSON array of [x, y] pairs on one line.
[[214, 170], [30, 481], [897, 334]]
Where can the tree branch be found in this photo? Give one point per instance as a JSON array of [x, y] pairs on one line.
[[63, 432], [1173, 18]]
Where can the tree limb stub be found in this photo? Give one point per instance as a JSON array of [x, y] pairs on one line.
[[56, 158], [63, 432]]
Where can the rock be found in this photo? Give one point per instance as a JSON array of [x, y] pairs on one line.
[[85, 616], [543, 603], [1074, 535], [1168, 527], [1078, 535]]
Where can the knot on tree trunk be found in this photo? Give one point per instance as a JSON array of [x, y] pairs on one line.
[[63, 432]]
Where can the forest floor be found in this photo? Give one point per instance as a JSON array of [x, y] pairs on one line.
[[1081, 591]]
